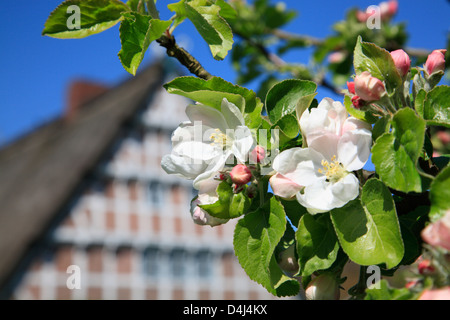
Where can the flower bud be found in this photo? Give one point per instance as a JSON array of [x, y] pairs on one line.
[[241, 174], [357, 102], [437, 234], [351, 87], [425, 267], [369, 88], [402, 61], [257, 155], [323, 287], [435, 61], [388, 9]]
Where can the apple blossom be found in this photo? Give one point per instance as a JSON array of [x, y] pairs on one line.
[[320, 176], [207, 195], [435, 61], [202, 146], [368, 87], [402, 61]]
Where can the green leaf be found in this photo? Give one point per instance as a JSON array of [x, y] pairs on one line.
[[317, 244], [230, 205], [381, 126], [294, 210], [395, 154], [211, 92], [368, 229], [378, 61], [436, 107], [136, 33], [207, 19], [94, 16], [288, 129], [440, 194], [385, 292], [286, 96], [255, 238]]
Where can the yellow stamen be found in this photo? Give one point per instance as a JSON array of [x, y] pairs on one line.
[[218, 138], [334, 171]]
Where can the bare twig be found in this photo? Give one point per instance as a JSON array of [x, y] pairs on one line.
[[185, 58]]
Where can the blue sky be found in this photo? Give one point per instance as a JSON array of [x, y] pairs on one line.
[[36, 70]]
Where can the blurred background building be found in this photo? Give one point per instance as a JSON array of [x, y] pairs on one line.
[[88, 213]]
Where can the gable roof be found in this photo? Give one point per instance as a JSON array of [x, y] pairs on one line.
[[40, 171]]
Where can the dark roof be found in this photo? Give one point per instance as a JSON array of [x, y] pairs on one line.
[[40, 171]]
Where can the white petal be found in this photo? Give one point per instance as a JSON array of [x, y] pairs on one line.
[[300, 165], [243, 143], [325, 143], [324, 196], [211, 170], [353, 149], [177, 165], [206, 116], [232, 114]]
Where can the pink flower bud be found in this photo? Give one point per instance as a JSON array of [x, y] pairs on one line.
[[351, 87], [323, 287], [388, 9], [425, 267], [257, 155], [361, 16], [283, 186], [369, 88], [437, 234], [241, 174], [435, 61], [402, 61], [336, 57]]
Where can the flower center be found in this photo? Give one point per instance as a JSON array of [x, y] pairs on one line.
[[334, 171], [218, 138]]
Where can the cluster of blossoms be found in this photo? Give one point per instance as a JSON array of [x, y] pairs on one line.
[[367, 89], [216, 145], [320, 176]]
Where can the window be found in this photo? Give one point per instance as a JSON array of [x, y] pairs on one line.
[[204, 264], [152, 261], [156, 193], [178, 263]]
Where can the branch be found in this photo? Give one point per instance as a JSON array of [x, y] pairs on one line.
[[185, 58], [312, 41], [278, 62]]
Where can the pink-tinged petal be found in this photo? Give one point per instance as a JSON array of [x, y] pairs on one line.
[[368, 87], [300, 165], [283, 186], [353, 149], [328, 116], [436, 294]]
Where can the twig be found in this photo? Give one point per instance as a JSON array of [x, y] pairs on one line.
[[279, 63], [185, 58]]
